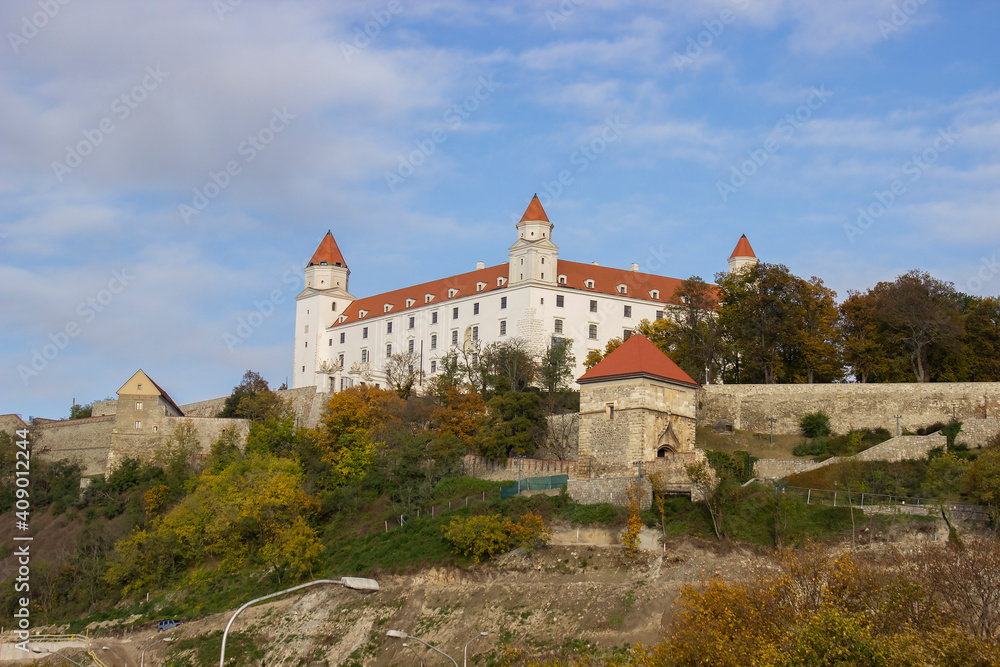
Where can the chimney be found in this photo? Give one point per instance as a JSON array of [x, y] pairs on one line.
[[595, 263], [480, 266], [635, 267]]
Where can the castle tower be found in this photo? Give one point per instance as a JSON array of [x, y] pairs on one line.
[[317, 307], [533, 256], [743, 256]]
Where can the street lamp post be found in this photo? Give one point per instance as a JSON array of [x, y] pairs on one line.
[[399, 634], [897, 424], [356, 583], [142, 654], [415, 653], [465, 651], [108, 648], [772, 420]]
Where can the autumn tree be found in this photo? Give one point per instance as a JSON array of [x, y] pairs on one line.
[[818, 336], [924, 315], [252, 399], [981, 339], [697, 339], [402, 372], [865, 345], [459, 415], [595, 356], [555, 371], [349, 434]]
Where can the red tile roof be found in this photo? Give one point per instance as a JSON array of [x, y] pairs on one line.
[[534, 211], [637, 357], [606, 281], [328, 252], [743, 248]]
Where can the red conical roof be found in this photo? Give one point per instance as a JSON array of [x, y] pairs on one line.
[[637, 357], [328, 253], [743, 249], [534, 211]]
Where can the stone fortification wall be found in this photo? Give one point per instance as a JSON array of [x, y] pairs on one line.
[[307, 404], [108, 406], [126, 444], [900, 448], [11, 423], [977, 432], [497, 471], [849, 406], [613, 490], [84, 441]]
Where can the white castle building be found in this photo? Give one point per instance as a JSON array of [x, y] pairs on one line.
[[342, 341]]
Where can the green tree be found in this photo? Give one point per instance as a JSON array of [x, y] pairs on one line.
[[402, 372], [77, 411], [981, 338], [866, 345], [252, 399], [556, 368], [983, 482], [943, 481], [513, 424]]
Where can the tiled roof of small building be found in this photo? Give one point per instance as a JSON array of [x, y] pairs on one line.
[[637, 357]]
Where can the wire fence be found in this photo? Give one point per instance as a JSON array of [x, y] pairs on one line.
[[534, 484], [879, 503], [437, 509]]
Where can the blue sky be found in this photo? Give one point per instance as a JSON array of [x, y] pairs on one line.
[[168, 168]]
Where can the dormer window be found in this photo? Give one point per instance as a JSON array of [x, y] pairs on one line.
[[480, 286], [362, 313], [386, 308], [341, 319], [685, 299], [452, 292], [562, 279], [622, 289], [501, 281], [428, 298], [410, 302], [589, 283], [654, 294]]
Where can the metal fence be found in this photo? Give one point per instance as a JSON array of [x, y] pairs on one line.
[[437, 509], [534, 484], [880, 503]]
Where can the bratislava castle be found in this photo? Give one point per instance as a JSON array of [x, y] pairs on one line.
[[342, 341]]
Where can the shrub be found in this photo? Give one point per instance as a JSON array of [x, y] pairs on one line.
[[815, 448], [815, 425]]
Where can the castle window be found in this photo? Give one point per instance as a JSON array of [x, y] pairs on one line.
[[434, 366], [386, 307], [626, 334], [343, 337], [480, 286], [452, 292], [410, 346], [589, 283], [685, 299], [622, 289], [138, 405], [388, 350], [475, 333], [592, 332], [333, 306], [412, 321], [628, 311], [543, 260], [654, 294], [364, 332], [139, 387], [609, 410], [307, 343], [559, 326], [593, 305], [659, 314], [410, 302], [503, 302], [501, 281], [330, 342], [362, 313], [475, 309], [306, 329], [434, 341], [340, 361], [560, 300], [428, 298], [503, 327], [155, 429], [454, 337], [454, 313], [364, 356], [434, 317], [138, 424], [303, 369], [388, 327], [562, 280]]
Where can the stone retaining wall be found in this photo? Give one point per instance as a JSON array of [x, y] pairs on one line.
[[611, 490], [474, 465], [849, 406]]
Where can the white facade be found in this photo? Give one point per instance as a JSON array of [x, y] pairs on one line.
[[341, 341]]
